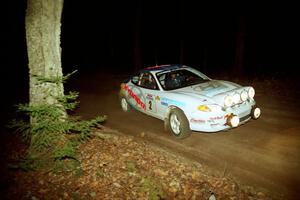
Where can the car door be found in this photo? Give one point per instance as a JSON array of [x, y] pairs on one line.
[[161, 97], [150, 93]]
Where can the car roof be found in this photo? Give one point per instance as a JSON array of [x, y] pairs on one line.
[[158, 68]]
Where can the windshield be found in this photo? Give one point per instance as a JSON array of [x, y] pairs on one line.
[[178, 79]]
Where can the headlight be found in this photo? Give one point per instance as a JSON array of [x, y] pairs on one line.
[[204, 108], [236, 98], [228, 101], [251, 92], [244, 95]]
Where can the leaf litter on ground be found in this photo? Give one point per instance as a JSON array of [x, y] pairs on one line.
[[116, 166]]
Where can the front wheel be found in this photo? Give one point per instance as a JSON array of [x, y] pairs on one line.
[[178, 124]]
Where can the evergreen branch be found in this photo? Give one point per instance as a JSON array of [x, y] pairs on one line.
[[54, 79], [51, 137]]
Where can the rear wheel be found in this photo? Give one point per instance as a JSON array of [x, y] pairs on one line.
[[178, 124], [124, 104]]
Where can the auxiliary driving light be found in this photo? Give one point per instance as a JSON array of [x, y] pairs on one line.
[[244, 95]]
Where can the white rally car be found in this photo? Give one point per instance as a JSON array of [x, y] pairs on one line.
[[187, 100]]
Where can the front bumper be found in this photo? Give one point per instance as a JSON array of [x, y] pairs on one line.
[[223, 119]]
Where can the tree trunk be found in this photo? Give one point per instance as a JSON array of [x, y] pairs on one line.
[[42, 24]]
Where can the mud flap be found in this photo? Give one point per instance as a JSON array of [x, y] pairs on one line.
[[166, 124]]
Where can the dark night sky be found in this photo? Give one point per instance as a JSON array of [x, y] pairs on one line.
[[102, 35], [199, 34]]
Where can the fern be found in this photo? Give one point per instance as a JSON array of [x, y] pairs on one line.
[[50, 136], [67, 151]]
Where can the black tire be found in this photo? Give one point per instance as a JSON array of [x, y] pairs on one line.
[[178, 124]]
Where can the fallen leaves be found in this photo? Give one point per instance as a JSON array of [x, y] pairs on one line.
[[114, 166]]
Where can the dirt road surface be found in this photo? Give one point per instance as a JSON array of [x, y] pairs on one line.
[[263, 153]]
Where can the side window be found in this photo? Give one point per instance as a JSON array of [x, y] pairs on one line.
[[135, 79], [148, 81]]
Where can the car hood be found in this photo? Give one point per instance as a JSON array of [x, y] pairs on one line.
[[213, 90]]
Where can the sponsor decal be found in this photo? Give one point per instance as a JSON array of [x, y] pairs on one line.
[[149, 96], [200, 121], [167, 101], [164, 104], [217, 118], [210, 88], [213, 120], [137, 100], [157, 98]]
